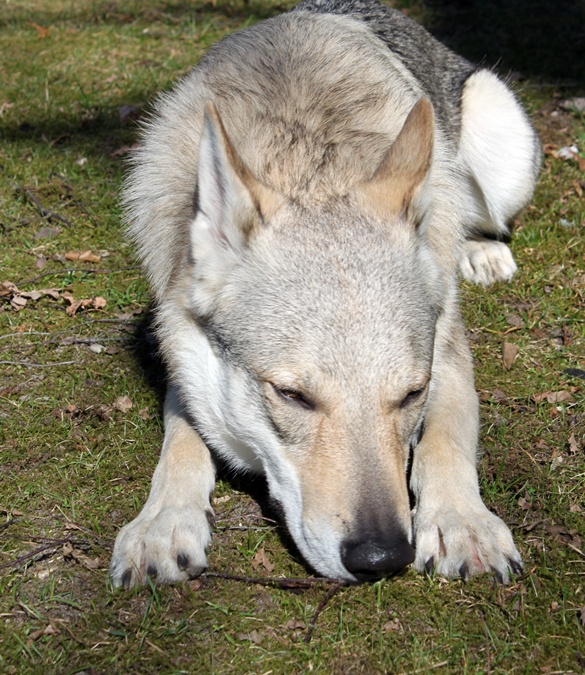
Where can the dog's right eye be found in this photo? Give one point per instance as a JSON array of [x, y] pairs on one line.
[[292, 396], [411, 397]]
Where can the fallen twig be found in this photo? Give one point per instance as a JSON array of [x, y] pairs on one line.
[[43, 212], [243, 527], [26, 364], [24, 332], [66, 270], [282, 582], [330, 593], [49, 544]]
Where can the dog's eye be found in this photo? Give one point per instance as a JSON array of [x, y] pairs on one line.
[[292, 396], [411, 397]]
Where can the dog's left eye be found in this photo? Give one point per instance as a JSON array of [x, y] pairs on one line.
[[411, 397], [293, 396]]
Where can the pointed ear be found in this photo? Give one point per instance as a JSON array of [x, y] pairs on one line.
[[231, 204], [226, 207], [404, 168]]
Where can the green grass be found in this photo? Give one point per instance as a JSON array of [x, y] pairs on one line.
[[74, 468]]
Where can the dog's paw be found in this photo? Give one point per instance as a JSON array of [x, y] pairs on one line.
[[456, 544], [485, 261], [168, 546]]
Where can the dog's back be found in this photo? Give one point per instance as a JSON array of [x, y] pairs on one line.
[[440, 72]]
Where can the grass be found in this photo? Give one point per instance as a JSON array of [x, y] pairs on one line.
[[75, 462]]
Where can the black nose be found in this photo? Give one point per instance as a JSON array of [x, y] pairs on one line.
[[369, 558]]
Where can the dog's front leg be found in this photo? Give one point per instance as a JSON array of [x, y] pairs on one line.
[[169, 537], [455, 534]]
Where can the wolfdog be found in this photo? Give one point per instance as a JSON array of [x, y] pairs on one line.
[[302, 203]]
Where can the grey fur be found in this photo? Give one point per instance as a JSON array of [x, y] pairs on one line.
[[440, 71]]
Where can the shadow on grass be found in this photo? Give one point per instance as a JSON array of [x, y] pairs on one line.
[[540, 39]]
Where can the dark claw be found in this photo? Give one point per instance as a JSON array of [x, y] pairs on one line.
[[152, 572], [464, 571], [430, 566], [498, 576], [127, 579], [516, 566], [182, 561], [210, 517]]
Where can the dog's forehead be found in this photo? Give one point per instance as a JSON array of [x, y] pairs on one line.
[[353, 297]]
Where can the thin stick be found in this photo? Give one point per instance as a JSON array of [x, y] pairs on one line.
[[77, 269], [48, 544], [38, 365], [283, 582], [43, 212], [330, 593]]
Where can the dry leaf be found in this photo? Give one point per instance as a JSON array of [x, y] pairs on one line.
[[76, 305], [6, 288], [51, 292], [123, 404], [42, 32], [79, 557], [499, 396], [293, 624], [18, 302], [36, 634], [253, 636], [567, 153], [7, 391], [256, 637], [553, 397], [19, 298], [509, 353], [390, 626], [573, 104], [515, 320], [71, 526], [32, 295], [262, 559], [573, 445], [194, 584], [523, 504], [82, 256], [47, 232]]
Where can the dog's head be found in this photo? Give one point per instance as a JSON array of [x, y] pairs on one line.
[[319, 325]]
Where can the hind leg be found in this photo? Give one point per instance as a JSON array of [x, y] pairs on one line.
[[499, 154], [485, 261]]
